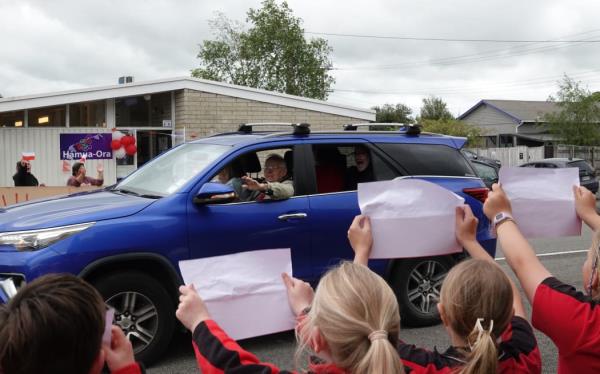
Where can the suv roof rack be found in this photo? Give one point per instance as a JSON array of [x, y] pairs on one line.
[[298, 128], [409, 129]]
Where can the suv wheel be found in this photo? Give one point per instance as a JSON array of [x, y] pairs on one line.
[[417, 283], [143, 310]]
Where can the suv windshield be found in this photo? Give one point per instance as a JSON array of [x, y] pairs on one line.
[[166, 174]]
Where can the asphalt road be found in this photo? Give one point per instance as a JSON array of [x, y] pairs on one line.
[[279, 348]]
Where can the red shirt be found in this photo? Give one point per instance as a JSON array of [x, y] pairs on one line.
[[518, 353], [572, 321], [217, 353]]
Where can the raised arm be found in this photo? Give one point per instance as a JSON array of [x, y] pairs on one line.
[[520, 256], [466, 230], [585, 204], [361, 239]]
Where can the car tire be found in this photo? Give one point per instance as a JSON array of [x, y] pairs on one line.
[[417, 283], [143, 309]]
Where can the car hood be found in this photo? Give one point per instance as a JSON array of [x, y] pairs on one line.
[[69, 210]]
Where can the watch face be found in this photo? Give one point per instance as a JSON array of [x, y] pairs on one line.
[[499, 215]]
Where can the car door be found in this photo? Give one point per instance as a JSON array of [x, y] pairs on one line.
[[220, 229], [332, 212]]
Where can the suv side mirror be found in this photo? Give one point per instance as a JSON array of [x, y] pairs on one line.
[[215, 193]]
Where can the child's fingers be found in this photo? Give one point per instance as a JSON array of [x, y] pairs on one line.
[[468, 212], [366, 223], [287, 281], [460, 213]]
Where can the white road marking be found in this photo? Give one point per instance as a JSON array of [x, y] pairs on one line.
[[550, 254]]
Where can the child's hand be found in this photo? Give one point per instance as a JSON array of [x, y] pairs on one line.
[[100, 167], [191, 310], [496, 202], [466, 226], [361, 239], [585, 203], [120, 353], [300, 293]]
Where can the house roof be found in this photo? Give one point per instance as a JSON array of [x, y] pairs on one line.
[[171, 84], [519, 110]]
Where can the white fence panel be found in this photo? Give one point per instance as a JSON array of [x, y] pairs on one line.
[[512, 156]]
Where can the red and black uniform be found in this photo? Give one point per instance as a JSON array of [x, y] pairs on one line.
[[572, 321], [134, 368], [217, 353], [518, 353]]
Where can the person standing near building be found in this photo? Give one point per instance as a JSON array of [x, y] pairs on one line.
[[79, 178], [23, 176]]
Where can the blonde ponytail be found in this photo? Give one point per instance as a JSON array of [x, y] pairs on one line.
[[483, 357], [477, 300], [381, 357], [357, 313]]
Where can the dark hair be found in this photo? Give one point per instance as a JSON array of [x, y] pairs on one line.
[[21, 168], [52, 325], [76, 167]]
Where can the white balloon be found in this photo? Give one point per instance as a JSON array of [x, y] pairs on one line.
[[120, 153], [117, 135]]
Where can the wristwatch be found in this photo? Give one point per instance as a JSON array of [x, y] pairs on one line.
[[502, 217]]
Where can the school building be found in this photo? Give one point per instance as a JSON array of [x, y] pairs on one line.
[[61, 126]]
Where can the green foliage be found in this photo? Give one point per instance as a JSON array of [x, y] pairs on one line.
[[271, 54], [398, 113], [435, 108], [455, 128], [578, 120]]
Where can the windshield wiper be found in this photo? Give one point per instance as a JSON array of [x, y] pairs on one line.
[[150, 196], [128, 192]]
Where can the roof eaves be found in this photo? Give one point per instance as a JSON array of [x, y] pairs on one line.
[[161, 85]]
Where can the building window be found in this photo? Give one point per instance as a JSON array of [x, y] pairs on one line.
[[12, 119], [53, 116], [150, 110], [89, 114]]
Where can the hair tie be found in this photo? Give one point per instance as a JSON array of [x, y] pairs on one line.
[[481, 330], [378, 334]]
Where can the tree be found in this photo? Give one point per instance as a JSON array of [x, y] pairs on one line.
[[271, 54], [398, 113], [435, 108], [578, 120], [455, 128]]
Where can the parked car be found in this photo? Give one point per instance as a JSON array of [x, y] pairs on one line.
[[486, 171], [127, 239], [587, 177], [474, 156]]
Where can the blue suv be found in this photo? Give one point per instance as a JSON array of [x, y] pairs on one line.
[[127, 239]]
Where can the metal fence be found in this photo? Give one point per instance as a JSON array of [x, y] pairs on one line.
[[512, 156], [590, 154]]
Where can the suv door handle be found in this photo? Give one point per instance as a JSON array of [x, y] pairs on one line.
[[286, 217]]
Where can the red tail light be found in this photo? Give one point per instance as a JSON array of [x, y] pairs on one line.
[[479, 193]]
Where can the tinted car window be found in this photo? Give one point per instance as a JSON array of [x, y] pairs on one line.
[[335, 167], [485, 171], [583, 166], [429, 159]]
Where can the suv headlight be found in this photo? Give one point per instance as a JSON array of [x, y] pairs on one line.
[[32, 240]]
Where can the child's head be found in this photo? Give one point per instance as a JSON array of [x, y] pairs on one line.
[[356, 315], [476, 303], [590, 268], [53, 325]]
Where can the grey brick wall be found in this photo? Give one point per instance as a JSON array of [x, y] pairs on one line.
[[205, 114]]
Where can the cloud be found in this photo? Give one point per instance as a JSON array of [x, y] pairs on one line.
[[56, 45]]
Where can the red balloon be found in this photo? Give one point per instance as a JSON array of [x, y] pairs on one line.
[[115, 144], [132, 139], [127, 140], [131, 149]]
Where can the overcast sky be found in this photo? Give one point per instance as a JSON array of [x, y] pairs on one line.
[[57, 45]]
